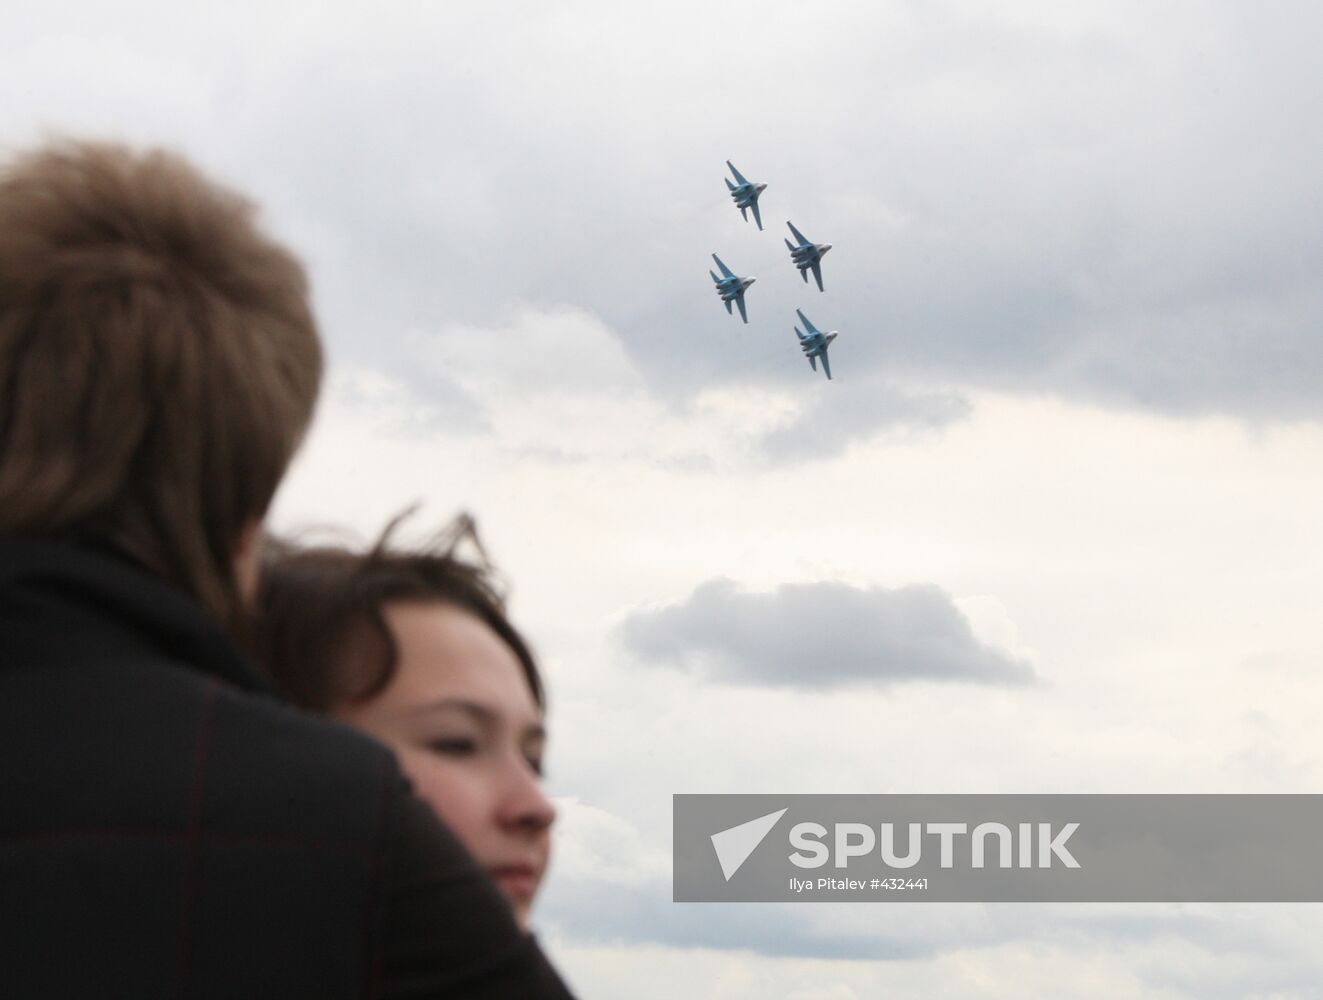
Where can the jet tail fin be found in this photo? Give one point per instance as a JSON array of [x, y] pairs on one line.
[[714, 277], [790, 246], [729, 185], [814, 362], [728, 305], [798, 334], [804, 274]]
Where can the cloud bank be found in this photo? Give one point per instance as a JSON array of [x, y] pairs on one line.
[[820, 636]]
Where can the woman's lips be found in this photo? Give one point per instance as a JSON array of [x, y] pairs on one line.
[[519, 881]]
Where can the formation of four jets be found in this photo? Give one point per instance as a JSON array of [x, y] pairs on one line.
[[804, 254]]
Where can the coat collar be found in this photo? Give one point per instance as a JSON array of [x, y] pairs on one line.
[[62, 602]]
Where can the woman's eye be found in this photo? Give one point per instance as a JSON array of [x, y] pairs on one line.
[[454, 746]]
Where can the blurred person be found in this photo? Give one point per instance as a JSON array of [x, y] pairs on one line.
[[413, 646], [169, 828]]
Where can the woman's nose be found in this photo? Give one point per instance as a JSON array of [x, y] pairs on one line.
[[524, 803]]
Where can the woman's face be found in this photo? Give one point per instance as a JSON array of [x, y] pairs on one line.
[[461, 717]]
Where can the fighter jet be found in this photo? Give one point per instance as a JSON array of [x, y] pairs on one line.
[[807, 255], [815, 343], [731, 287], [745, 195]]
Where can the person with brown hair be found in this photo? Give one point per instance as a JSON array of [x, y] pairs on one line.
[[169, 828], [414, 647]]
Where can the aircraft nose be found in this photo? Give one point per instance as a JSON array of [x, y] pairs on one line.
[[825, 247], [751, 280]]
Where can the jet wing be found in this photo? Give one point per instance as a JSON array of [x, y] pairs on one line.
[[798, 235], [812, 330], [756, 217], [817, 274], [739, 301], [738, 176], [725, 271], [825, 366]]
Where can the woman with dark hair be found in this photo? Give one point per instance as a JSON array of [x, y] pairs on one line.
[[414, 648]]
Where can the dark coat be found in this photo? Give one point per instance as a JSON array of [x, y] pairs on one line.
[[169, 830]]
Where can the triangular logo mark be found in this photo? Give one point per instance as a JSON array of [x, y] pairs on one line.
[[734, 846]]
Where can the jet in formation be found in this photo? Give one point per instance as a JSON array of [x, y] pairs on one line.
[[807, 256], [731, 287], [815, 343], [745, 195]]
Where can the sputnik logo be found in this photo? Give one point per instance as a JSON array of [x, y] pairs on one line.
[[734, 846]]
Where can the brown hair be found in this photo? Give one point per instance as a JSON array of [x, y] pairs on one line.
[[320, 631], [159, 361]]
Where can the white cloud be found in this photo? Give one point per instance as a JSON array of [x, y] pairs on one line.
[[563, 351], [1155, 571], [594, 846]]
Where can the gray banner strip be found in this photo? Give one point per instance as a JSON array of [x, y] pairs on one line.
[[998, 848]]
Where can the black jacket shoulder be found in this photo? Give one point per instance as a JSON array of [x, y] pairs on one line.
[[170, 830]]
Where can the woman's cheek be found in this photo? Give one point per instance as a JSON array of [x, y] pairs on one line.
[[445, 787]]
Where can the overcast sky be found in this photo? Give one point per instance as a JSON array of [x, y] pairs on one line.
[[1052, 527]]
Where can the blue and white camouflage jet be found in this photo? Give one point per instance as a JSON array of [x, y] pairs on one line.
[[815, 343], [731, 287], [807, 256], [745, 195]]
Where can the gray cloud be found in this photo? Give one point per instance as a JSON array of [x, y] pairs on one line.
[[1239, 954], [1098, 202], [820, 635], [597, 913], [419, 400], [852, 409]]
